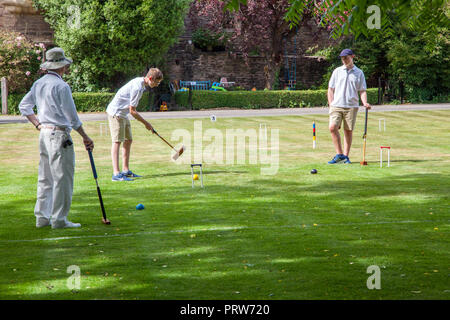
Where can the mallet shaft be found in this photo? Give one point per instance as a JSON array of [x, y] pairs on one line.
[[365, 137], [94, 172], [164, 140]]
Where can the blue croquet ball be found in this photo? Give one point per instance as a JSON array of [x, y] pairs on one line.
[[313, 171], [140, 206]]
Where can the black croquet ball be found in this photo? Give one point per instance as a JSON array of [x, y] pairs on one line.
[[313, 171]]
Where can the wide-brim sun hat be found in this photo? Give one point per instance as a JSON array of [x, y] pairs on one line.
[[55, 59]]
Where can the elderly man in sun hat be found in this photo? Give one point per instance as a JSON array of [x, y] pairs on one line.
[[345, 84], [56, 117]]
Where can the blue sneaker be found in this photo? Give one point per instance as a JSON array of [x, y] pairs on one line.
[[130, 174], [120, 177], [337, 158], [347, 160]]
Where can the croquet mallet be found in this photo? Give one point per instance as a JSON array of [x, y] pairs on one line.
[[364, 162], [178, 153], [104, 219]]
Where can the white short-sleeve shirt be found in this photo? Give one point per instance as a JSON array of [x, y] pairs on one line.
[[347, 84], [128, 95]]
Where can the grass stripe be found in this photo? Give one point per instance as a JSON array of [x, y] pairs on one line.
[[226, 229]]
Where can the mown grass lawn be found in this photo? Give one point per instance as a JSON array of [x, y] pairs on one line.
[[292, 235]]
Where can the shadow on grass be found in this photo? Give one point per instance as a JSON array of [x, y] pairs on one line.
[[257, 263], [236, 265], [179, 206], [188, 172]]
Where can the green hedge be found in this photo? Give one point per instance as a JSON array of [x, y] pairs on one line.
[[92, 101], [13, 102], [97, 102], [260, 99], [85, 102]]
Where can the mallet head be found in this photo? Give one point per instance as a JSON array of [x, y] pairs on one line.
[[179, 153], [105, 221]]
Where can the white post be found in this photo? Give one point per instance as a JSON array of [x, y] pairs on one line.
[[201, 175], [379, 124], [388, 156], [4, 89], [261, 126], [101, 128], [381, 157]]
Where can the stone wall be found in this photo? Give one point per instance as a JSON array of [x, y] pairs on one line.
[[187, 63], [20, 16], [194, 64]]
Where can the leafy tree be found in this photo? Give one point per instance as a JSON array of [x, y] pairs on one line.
[[418, 60], [411, 45], [113, 40], [258, 27], [421, 61], [370, 57], [424, 15]]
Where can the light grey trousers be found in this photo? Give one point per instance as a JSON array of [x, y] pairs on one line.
[[55, 178]]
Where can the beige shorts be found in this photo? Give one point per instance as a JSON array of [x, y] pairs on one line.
[[347, 114], [120, 129]]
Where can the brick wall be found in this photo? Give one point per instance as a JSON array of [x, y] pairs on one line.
[[188, 63], [193, 64], [21, 17]]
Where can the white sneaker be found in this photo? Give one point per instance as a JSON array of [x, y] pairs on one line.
[[67, 225], [42, 222]]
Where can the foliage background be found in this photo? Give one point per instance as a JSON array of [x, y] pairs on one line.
[[115, 40], [19, 60], [260, 99], [417, 60]]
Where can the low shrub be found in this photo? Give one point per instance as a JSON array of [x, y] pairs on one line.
[[260, 99], [98, 101], [205, 39], [84, 101], [20, 60], [13, 102]]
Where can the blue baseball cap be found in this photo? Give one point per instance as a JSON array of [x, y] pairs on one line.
[[346, 52]]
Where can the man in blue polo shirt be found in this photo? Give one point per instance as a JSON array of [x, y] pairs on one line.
[[345, 84]]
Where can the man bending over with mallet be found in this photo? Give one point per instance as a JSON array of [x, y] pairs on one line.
[[345, 83], [56, 117], [125, 102]]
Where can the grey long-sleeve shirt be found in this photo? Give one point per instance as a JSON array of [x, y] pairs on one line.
[[53, 98]]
